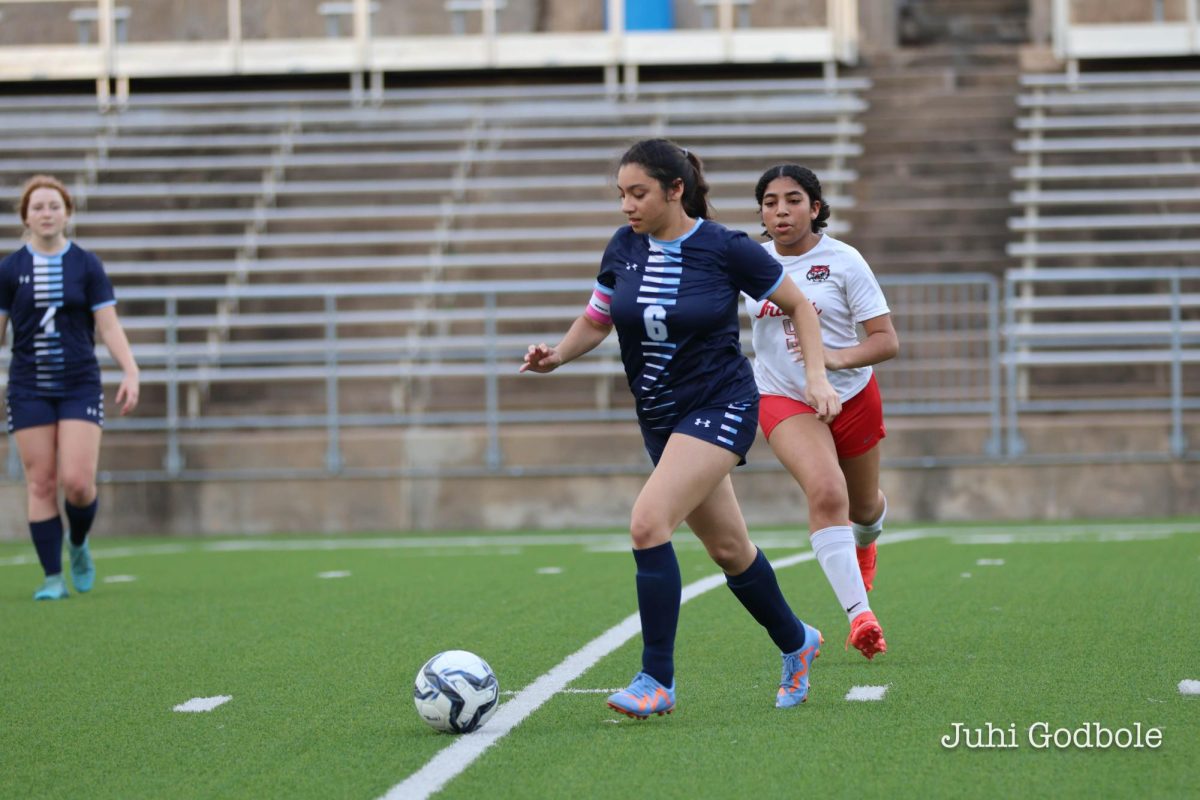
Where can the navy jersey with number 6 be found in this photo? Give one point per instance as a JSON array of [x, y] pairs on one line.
[[51, 301], [675, 307]]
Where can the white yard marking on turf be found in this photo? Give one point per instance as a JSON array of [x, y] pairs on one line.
[[989, 562], [204, 703], [549, 571], [334, 573], [965, 575], [1189, 687], [119, 578], [867, 692], [620, 541], [1102, 532], [571, 691], [453, 759]]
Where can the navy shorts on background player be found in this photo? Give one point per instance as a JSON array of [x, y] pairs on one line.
[[29, 411]]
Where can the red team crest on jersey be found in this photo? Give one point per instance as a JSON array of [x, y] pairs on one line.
[[818, 273]]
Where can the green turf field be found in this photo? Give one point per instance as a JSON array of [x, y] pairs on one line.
[[1079, 624]]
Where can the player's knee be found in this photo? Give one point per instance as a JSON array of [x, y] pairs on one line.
[[865, 509], [728, 555], [828, 500], [41, 484], [78, 487], [648, 530]]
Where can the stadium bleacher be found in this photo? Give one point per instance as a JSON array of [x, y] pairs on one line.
[[1126, 141], [231, 222], [1102, 314]]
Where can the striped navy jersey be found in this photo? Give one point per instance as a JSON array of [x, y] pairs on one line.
[[51, 301], [675, 307]]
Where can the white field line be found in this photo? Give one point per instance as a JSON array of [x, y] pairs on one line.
[[453, 759], [1189, 687], [200, 704], [867, 692], [768, 540]]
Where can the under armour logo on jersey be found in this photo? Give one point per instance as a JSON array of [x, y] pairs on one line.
[[705, 422], [633, 267], [25, 279]]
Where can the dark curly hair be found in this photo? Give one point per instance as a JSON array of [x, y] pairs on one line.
[[808, 182]]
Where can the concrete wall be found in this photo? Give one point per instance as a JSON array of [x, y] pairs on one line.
[[997, 491]]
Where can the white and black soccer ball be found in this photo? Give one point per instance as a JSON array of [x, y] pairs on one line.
[[456, 692]]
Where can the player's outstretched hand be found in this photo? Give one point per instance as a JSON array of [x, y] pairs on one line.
[[127, 394], [823, 399], [541, 358]]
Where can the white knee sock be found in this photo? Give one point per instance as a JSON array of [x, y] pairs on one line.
[[865, 534], [835, 552]]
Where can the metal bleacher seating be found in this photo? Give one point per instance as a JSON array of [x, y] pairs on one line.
[[1102, 314], [414, 243], [1110, 170]]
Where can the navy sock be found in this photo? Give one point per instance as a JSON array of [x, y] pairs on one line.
[[47, 539], [759, 592], [659, 588], [80, 519]]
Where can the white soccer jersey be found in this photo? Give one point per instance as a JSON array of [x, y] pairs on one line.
[[842, 288]]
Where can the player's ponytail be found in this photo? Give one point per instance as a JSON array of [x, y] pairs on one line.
[[667, 162], [808, 182]]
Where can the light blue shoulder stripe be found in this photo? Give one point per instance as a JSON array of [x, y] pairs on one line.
[[771, 291]]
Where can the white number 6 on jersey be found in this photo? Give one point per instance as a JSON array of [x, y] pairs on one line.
[[656, 329]]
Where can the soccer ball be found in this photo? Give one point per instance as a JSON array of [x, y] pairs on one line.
[[456, 692]]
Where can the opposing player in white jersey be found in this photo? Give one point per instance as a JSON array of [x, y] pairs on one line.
[[669, 283], [837, 464]]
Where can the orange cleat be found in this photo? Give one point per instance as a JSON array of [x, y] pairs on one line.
[[866, 563], [866, 635]]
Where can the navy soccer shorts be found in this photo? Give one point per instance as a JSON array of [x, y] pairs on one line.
[[30, 410], [731, 427]]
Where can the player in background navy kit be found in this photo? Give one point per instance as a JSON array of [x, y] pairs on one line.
[[57, 295], [836, 465], [670, 283]]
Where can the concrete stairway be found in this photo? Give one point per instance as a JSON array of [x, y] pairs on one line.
[[924, 22], [934, 179]]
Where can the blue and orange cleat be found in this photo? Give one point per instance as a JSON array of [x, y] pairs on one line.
[[866, 635], [866, 563], [793, 684], [645, 696], [83, 571], [53, 588]]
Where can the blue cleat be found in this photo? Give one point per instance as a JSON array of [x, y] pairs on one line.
[[793, 685], [645, 696], [54, 588], [83, 571]]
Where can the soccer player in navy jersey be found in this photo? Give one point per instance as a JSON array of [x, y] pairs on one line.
[[669, 283], [57, 295]]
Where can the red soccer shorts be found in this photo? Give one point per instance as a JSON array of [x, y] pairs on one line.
[[855, 431]]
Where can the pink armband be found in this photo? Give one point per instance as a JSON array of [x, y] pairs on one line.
[[599, 308]]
